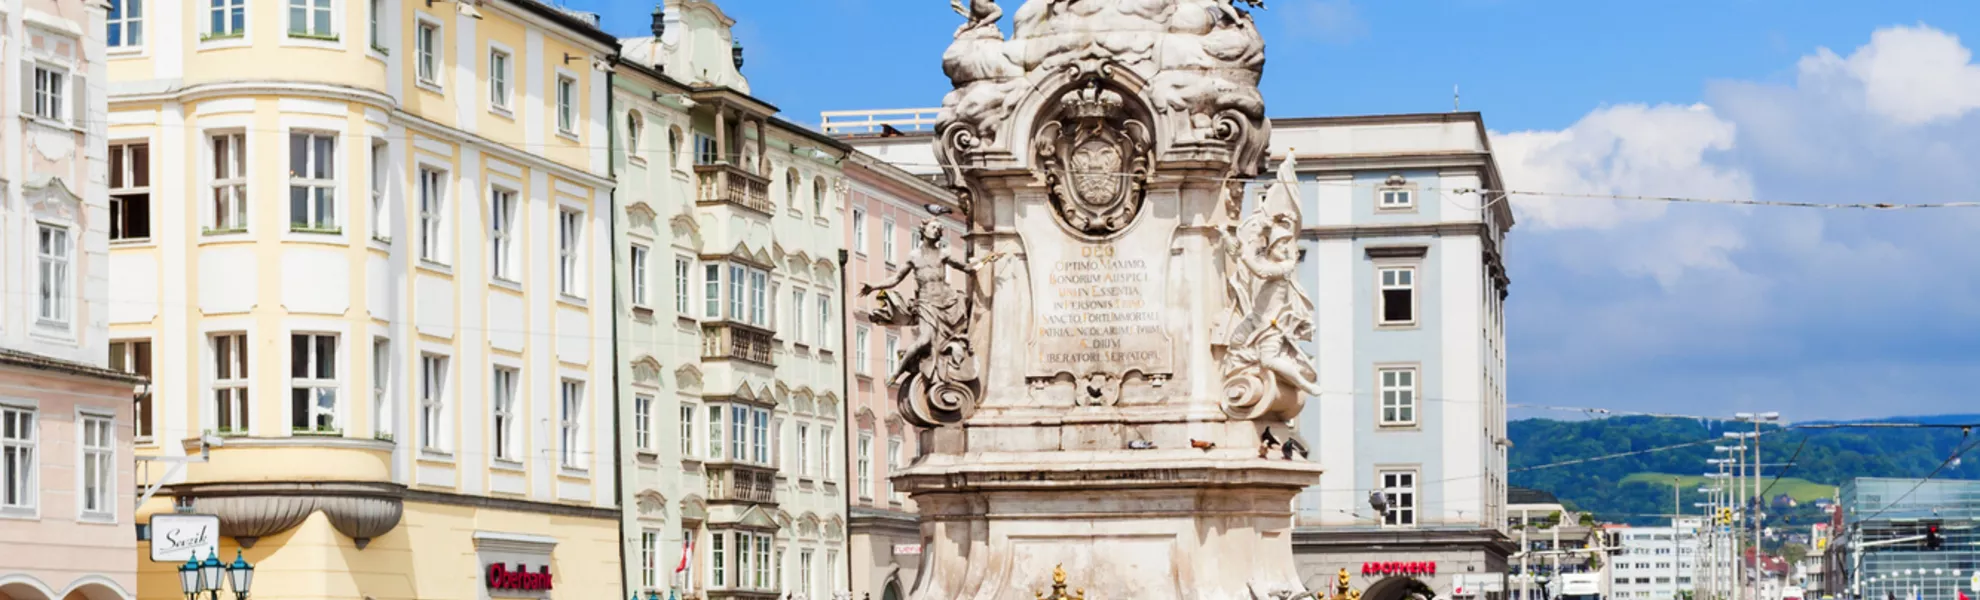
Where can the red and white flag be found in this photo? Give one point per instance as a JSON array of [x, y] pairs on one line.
[[684, 571], [1962, 596]]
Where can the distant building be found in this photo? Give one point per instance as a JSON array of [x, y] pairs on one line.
[[1883, 550], [1552, 541], [1665, 563]]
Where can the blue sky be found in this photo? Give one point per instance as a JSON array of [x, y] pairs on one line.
[[1698, 309]]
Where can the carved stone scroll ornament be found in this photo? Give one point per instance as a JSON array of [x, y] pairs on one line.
[[1265, 371], [1096, 156], [938, 372]]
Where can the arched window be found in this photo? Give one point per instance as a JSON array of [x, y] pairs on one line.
[[634, 123], [818, 196], [791, 183], [674, 146]]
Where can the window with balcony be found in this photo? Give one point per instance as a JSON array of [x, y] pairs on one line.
[[570, 239], [313, 383], [53, 257], [226, 19], [637, 266], [19, 443], [130, 191], [99, 468], [432, 214], [126, 24], [134, 357], [502, 234], [570, 418], [311, 19], [230, 384], [567, 105], [432, 403], [230, 201], [313, 182], [706, 151], [502, 405]]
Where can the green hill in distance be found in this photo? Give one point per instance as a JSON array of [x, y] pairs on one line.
[[1801, 490]]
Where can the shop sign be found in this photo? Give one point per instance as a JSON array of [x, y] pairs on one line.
[[501, 578], [909, 549], [1399, 568], [176, 537]]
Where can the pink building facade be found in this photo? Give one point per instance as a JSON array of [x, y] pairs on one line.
[[887, 207], [66, 417]]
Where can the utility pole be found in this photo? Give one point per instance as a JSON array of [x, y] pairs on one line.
[[1759, 506], [1677, 545]]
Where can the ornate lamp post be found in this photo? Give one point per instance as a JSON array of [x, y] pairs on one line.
[[209, 575], [189, 579], [198, 576], [242, 575]]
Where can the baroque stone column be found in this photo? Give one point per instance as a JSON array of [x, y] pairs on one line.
[[1111, 390]]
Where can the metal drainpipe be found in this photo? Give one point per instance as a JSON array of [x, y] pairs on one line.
[[846, 425], [612, 214]]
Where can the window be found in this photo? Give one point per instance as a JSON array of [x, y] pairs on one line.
[[804, 450], [758, 302], [643, 422], [825, 464], [381, 214], [797, 315], [381, 389], [566, 105], [130, 190], [312, 181], [638, 275], [687, 431], [818, 196], [831, 569], [791, 185], [743, 558], [572, 414], [17, 446], [1398, 396], [804, 582], [649, 554], [824, 321], [134, 357], [1400, 487], [52, 254], [718, 572], [739, 433], [48, 93], [310, 18], [736, 298], [570, 228], [634, 125], [432, 398], [1396, 198], [313, 382], [498, 80], [760, 442], [859, 351], [230, 384], [859, 230], [714, 433], [502, 397], [683, 270], [892, 352], [887, 240], [863, 467], [230, 202], [226, 18], [1398, 295], [376, 17], [763, 565], [126, 22], [99, 471], [893, 466], [779, 569], [426, 43], [711, 291], [432, 209], [501, 234], [706, 151]]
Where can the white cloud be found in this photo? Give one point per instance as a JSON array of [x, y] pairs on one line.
[[1909, 75], [1629, 149], [1332, 21]]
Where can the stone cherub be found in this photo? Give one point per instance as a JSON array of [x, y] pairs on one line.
[[1273, 312], [938, 312], [978, 13]]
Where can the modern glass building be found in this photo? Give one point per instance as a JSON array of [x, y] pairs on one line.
[[1885, 549]]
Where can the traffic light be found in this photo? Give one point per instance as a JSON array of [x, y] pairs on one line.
[[1932, 538]]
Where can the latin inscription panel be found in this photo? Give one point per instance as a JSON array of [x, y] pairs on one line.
[[1100, 307]]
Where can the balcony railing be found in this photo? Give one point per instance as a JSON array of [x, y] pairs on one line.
[[734, 341], [726, 183], [741, 483]]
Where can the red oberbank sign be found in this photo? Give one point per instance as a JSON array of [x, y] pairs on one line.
[[501, 578], [1399, 568]]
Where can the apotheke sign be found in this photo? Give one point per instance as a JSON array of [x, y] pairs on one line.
[[177, 537], [1399, 568]]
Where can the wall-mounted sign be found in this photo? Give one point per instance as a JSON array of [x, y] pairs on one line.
[[1399, 568], [501, 578], [907, 548], [176, 537]]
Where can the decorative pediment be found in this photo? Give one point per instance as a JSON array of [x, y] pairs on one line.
[[865, 418], [894, 423], [688, 377], [828, 407], [835, 528], [824, 271], [744, 392], [782, 517], [757, 517], [651, 505], [49, 197], [693, 508], [807, 525], [686, 231], [646, 370], [640, 215]]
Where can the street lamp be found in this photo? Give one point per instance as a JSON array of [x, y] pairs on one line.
[[189, 578], [209, 575], [242, 575]]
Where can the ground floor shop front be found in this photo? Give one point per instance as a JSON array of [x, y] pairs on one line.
[[886, 553], [382, 542], [1405, 564]]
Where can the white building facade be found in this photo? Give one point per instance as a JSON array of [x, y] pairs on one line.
[[1665, 563]]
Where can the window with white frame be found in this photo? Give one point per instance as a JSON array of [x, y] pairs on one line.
[[759, 442], [805, 582], [50, 91], [53, 256], [313, 383], [432, 215], [1398, 395], [706, 150], [18, 443], [759, 309], [714, 433], [831, 569], [226, 18], [1400, 489], [824, 340], [1398, 295], [126, 24], [502, 396], [649, 557], [791, 185], [763, 566], [797, 329], [382, 411], [887, 240], [635, 125], [674, 147], [779, 570], [860, 355], [687, 431], [893, 467], [643, 422], [891, 354], [230, 383], [426, 45], [375, 17], [570, 234], [711, 291], [501, 234], [381, 213], [1397, 198], [130, 191], [683, 271], [744, 543], [311, 18], [863, 466], [826, 466], [99, 468], [739, 433], [566, 105], [718, 571], [804, 450], [230, 201], [432, 402], [818, 196], [498, 80], [639, 275], [859, 230], [134, 357], [570, 445], [312, 181]]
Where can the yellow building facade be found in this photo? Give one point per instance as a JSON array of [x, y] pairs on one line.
[[366, 249]]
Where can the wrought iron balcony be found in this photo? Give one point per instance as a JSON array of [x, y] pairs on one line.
[[724, 183], [736, 482], [726, 340]]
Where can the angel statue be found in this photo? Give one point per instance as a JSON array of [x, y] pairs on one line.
[[938, 366], [978, 13], [1273, 314]]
